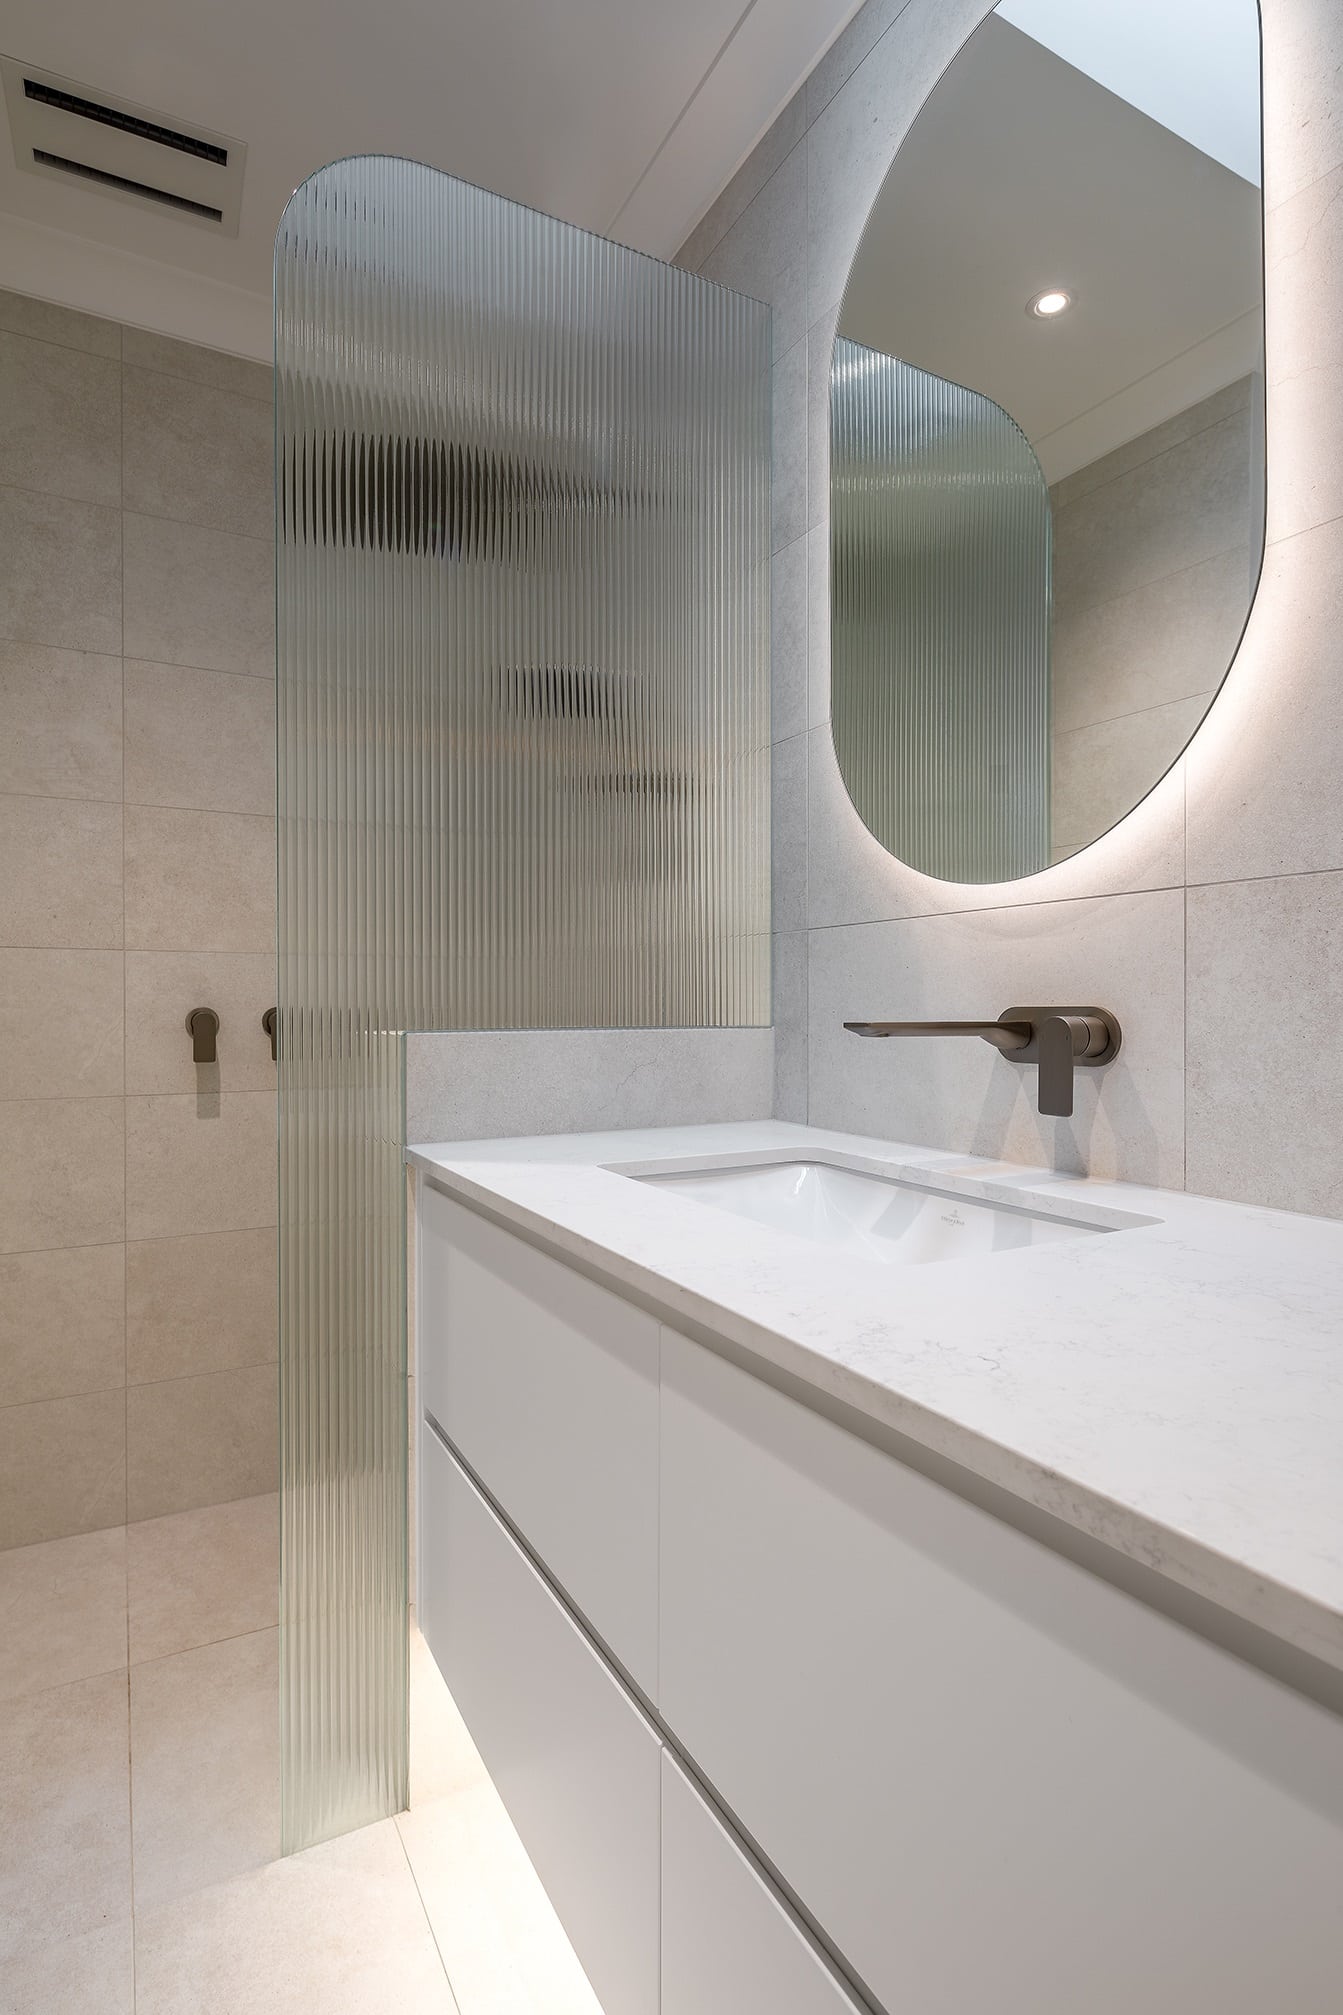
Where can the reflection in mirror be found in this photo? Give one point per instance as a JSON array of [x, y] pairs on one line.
[[1047, 457]]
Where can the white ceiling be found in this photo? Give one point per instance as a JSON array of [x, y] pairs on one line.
[[1023, 174], [625, 116], [1194, 66]]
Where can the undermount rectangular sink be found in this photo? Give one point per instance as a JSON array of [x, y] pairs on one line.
[[877, 1217]]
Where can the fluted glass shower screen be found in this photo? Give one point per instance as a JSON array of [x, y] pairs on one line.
[[941, 560], [523, 503]]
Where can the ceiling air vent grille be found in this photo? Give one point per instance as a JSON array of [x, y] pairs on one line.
[[65, 130], [124, 183]]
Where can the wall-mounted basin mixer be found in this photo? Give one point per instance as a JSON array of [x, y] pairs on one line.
[[1055, 1038], [203, 1027]]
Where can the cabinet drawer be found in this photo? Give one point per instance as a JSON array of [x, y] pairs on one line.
[[573, 1759], [995, 1780], [548, 1386], [729, 1947]]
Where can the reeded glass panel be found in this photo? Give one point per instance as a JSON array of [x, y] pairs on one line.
[[523, 737], [939, 584]]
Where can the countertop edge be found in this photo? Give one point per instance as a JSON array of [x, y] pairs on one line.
[[1286, 1614]]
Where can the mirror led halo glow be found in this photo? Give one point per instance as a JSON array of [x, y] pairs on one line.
[[1053, 301]]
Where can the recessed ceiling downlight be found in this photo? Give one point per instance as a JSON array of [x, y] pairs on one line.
[[1054, 301]]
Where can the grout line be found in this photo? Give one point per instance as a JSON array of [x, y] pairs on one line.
[[185, 1378], [265, 399], [1146, 461], [125, 1149], [1096, 896], [130, 1803], [54, 342], [186, 1650], [120, 1097], [749, 204], [429, 1922], [998, 909], [198, 525], [668, 136], [1135, 713], [121, 510], [210, 671], [63, 497]]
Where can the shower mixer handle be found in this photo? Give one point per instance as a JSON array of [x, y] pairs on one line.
[[203, 1027]]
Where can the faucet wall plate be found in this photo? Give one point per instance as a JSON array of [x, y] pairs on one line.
[[1036, 1016]]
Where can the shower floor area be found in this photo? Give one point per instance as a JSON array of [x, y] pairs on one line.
[[139, 1809]]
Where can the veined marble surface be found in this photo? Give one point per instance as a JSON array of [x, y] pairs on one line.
[[1174, 1390]]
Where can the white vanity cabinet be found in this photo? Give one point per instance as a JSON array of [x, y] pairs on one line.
[[575, 1762], [997, 1782], [547, 1385], [729, 1946], [992, 1780]]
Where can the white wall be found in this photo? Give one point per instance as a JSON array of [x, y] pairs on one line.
[[1211, 920]]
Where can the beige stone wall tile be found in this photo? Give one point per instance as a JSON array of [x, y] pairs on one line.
[[1127, 951], [194, 1441], [198, 455], [60, 873], [62, 1322], [161, 990], [152, 352], [60, 572], [196, 1164], [199, 596], [200, 739], [205, 1303], [62, 1173], [26, 316], [60, 723], [199, 881], [60, 420], [62, 1468], [64, 1607], [1264, 1128], [60, 1024]]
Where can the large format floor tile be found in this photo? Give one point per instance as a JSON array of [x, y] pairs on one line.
[[92, 1974], [182, 1796], [65, 1845], [196, 1577], [338, 1930], [205, 1766], [62, 1611]]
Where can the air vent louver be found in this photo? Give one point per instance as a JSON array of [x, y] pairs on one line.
[[124, 183], [66, 130]]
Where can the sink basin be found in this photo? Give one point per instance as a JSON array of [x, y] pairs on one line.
[[882, 1218]]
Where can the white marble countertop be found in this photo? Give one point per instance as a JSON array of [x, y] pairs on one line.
[[1174, 1390]]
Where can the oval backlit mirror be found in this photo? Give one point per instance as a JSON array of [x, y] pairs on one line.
[[1047, 459]]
